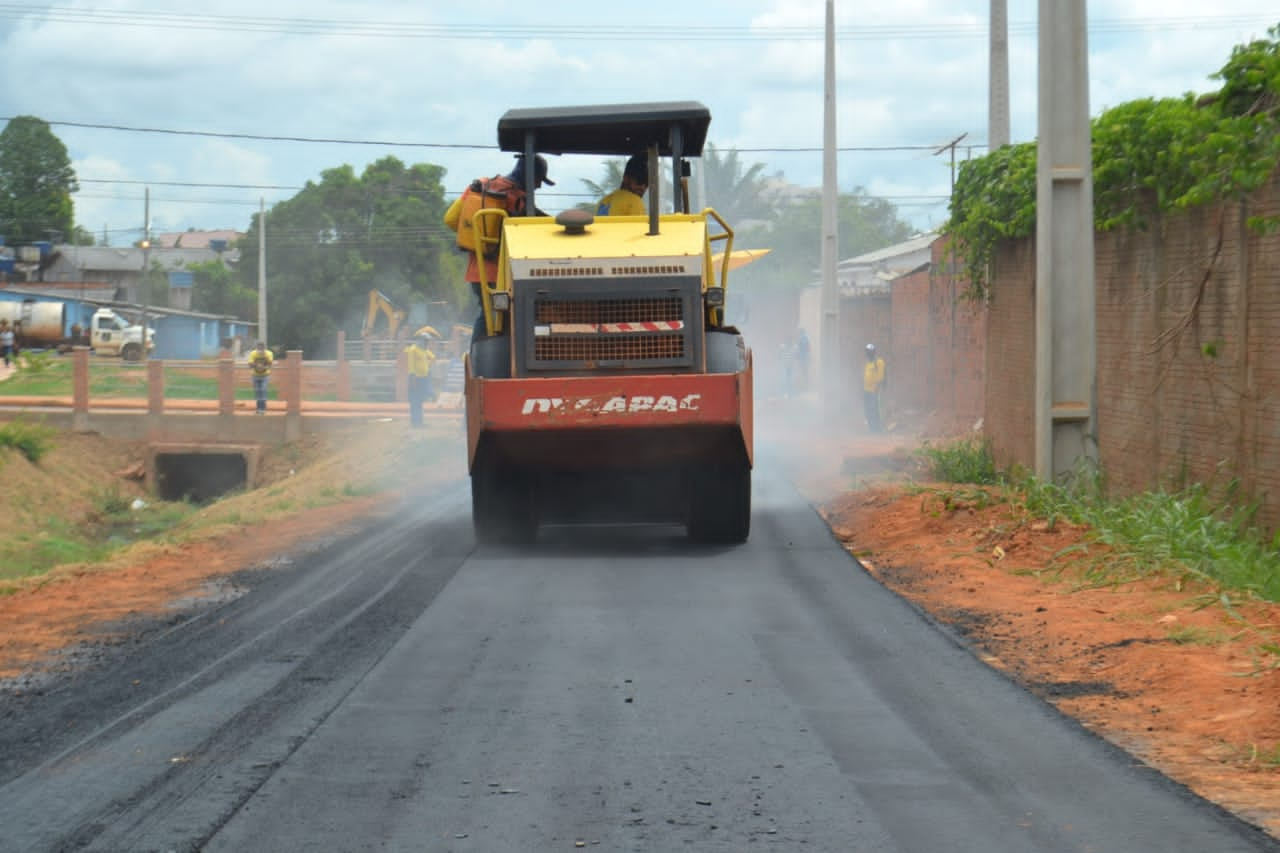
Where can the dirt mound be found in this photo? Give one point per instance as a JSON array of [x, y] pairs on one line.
[[66, 480]]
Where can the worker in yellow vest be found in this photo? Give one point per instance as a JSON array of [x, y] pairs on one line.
[[420, 359], [260, 360], [873, 380]]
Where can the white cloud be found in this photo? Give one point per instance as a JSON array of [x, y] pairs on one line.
[[910, 73]]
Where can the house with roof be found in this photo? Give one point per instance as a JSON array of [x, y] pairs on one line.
[[872, 272], [121, 267], [222, 240], [865, 287], [89, 277]]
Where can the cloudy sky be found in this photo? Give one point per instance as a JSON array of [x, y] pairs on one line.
[[214, 107]]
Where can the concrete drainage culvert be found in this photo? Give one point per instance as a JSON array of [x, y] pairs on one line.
[[201, 472]]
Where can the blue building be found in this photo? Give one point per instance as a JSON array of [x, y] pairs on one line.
[[190, 335]]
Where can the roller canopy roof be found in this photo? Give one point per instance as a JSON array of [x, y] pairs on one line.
[[606, 128]]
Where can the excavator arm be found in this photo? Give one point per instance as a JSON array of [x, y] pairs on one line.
[[380, 304]]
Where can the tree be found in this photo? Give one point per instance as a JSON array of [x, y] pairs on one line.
[[794, 237], [611, 179], [334, 241], [36, 183], [218, 290], [738, 193]]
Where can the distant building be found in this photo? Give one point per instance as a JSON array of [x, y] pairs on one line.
[[122, 267], [87, 277], [872, 272], [222, 240], [865, 287], [192, 335]]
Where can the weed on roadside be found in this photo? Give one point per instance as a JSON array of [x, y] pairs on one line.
[[32, 440], [35, 363], [1188, 534], [1192, 635], [967, 460]]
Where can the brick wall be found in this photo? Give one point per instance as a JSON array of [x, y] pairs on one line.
[[1188, 325], [864, 319], [939, 337], [1009, 405]]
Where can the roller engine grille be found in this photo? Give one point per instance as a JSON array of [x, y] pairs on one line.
[[612, 348], [597, 311], [578, 330]]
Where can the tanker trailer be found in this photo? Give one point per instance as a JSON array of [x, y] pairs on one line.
[[38, 324], [42, 324]]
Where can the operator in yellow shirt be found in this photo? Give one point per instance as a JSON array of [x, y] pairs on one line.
[[873, 381], [420, 359], [260, 361], [628, 199]]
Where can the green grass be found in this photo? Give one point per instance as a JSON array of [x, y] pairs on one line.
[[1268, 757], [34, 552], [111, 525], [49, 375], [1195, 636], [32, 440], [1186, 531], [44, 375], [1191, 532], [963, 461]]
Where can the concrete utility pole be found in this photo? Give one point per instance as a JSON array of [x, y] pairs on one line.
[[828, 334], [146, 264], [262, 269], [1066, 333], [998, 77]]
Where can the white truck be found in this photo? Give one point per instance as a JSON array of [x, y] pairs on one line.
[[42, 324]]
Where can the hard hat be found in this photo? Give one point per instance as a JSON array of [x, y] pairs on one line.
[[871, 347]]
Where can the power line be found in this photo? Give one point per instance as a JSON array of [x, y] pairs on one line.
[[188, 184], [365, 28], [260, 137]]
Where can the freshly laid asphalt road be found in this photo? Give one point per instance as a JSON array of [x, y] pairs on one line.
[[608, 688]]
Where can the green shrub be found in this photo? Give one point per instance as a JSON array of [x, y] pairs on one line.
[[109, 502], [967, 460], [31, 440], [1186, 531], [35, 362]]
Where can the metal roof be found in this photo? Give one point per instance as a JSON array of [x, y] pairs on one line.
[[610, 129], [129, 259], [102, 258], [194, 239], [71, 291], [889, 253]]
